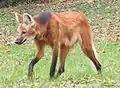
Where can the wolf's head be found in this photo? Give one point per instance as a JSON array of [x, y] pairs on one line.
[[30, 26]]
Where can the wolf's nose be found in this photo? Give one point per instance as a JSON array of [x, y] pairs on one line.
[[16, 42]]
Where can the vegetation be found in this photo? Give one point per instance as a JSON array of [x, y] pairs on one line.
[[103, 15], [104, 18], [14, 66], [7, 3]]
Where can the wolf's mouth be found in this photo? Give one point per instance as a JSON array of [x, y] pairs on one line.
[[21, 42]]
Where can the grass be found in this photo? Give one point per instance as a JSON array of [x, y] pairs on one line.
[[14, 60], [103, 16]]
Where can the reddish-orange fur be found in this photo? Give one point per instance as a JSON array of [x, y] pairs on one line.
[[61, 32]]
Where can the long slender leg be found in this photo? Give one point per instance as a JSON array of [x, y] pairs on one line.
[[31, 65], [54, 62], [63, 54], [89, 50], [91, 54], [39, 55]]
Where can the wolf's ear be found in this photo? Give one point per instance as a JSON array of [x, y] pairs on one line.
[[19, 18], [27, 19]]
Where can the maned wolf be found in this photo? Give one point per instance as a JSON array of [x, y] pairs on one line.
[[60, 31]]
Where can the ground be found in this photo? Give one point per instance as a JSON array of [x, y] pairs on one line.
[[104, 17]]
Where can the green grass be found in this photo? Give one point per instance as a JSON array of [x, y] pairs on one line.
[[103, 16], [104, 19], [14, 61]]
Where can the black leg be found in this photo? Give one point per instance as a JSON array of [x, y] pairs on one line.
[[53, 65], [31, 65], [60, 71], [99, 69], [63, 54]]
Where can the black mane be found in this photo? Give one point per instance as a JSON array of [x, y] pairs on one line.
[[44, 17]]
